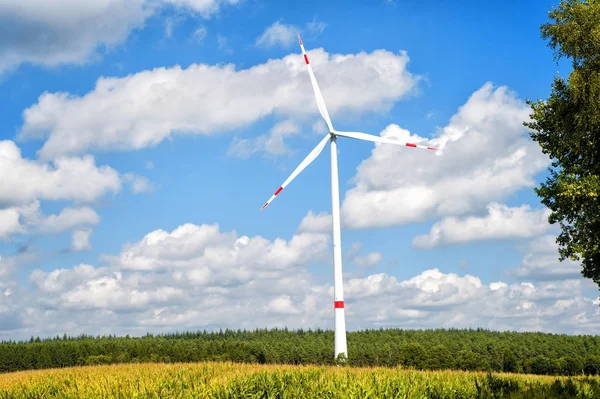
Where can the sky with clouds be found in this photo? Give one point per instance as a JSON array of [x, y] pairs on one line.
[[141, 137]]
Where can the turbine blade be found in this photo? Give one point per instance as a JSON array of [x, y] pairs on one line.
[[379, 139], [309, 158], [315, 85]]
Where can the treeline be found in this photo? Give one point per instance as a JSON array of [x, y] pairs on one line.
[[535, 353]]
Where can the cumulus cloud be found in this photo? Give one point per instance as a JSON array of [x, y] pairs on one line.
[[272, 143], [67, 219], [73, 31], [485, 155], [9, 264], [540, 262], [10, 222], [316, 223], [436, 299], [149, 300], [187, 277], [142, 109], [197, 276], [29, 219], [211, 256], [70, 32], [80, 240], [23, 181], [501, 222], [284, 35]]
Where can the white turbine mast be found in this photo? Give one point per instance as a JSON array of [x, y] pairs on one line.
[[331, 137]]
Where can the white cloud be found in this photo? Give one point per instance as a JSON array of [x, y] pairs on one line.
[[170, 24], [139, 184], [436, 299], [85, 287], [200, 34], [210, 255], [23, 181], [316, 223], [67, 219], [9, 222], [72, 31], [278, 34], [206, 8], [222, 44], [368, 260], [540, 262], [197, 276], [284, 35], [142, 109], [315, 27], [28, 219], [80, 240], [9, 264], [272, 143], [485, 155], [269, 295], [169, 278], [501, 222], [69, 32]]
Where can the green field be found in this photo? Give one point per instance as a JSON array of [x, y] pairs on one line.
[[233, 380]]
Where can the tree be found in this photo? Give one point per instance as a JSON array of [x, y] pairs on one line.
[[412, 355], [509, 362], [567, 127]]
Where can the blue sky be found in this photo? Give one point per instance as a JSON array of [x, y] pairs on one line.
[[210, 109]]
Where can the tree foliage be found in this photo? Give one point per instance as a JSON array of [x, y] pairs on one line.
[[437, 349], [567, 127]]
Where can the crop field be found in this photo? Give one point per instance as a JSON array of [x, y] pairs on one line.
[[232, 380]]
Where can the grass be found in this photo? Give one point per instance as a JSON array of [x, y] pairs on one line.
[[232, 380]]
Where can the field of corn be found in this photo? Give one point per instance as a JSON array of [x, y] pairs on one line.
[[232, 380]]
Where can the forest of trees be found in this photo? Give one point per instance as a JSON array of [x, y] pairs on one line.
[[535, 353]]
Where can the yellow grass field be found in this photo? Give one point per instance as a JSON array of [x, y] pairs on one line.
[[232, 380]]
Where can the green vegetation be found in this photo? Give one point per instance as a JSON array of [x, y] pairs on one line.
[[567, 128], [483, 350], [230, 380]]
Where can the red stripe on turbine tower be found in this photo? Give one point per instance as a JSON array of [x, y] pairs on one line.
[[338, 304], [306, 59], [278, 190]]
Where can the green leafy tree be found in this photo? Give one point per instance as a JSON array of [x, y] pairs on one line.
[[567, 128], [439, 358], [412, 355], [509, 361]]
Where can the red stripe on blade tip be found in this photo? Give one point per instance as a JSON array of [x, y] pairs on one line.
[[278, 190], [306, 59], [432, 149], [338, 304], [299, 40], [411, 145], [264, 206]]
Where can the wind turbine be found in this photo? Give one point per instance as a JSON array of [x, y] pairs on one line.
[[331, 137]]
